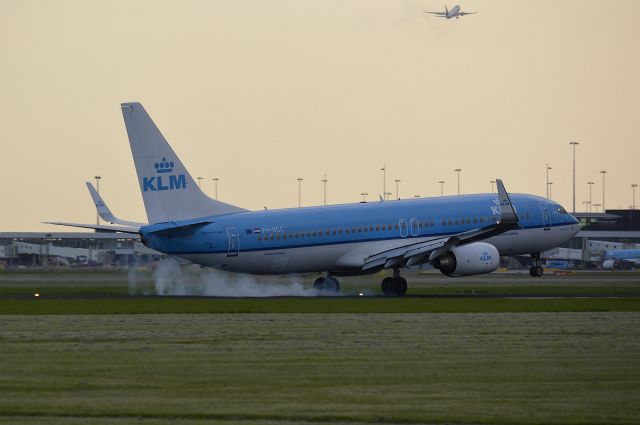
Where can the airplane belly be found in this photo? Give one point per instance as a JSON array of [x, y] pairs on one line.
[[320, 258]]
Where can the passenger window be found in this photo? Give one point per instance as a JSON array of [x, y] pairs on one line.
[[377, 227], [340, 231], [346, 231], [371, 228], [384, 227]]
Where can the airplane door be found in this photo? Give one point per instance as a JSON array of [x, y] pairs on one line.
[[415, 227], [546, 218], [404, 229], [234, 245]]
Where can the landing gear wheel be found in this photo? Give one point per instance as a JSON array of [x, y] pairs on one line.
[[327, 284], [394, 286], [539, 271], [386, 286], [319, 283], [399, 286], [536, 271]]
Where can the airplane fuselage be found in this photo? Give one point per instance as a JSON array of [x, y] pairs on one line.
[[339, 238], [454, 12]]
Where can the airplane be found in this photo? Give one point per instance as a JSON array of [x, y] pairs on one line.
[[621, 258], [455, 12], [459, 235]]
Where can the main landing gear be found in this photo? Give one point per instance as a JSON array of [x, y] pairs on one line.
[[536, 270], [327, 284], [394, 286]]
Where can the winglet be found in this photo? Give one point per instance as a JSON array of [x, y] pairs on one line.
[[509, 214]]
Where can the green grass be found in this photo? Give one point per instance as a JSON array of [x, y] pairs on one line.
[[182, 305], [106, 282], [482, 368]]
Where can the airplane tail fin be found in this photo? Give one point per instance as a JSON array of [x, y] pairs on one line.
[[446, 10], [168, 190]]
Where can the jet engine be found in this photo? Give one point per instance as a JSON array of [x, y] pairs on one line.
[[467, 260]]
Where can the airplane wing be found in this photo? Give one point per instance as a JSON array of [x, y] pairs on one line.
[[99, 227], [105, 213], [468, 13], [423, 252], [440, 14]]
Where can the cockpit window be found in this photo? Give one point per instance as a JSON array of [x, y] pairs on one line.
[[562, 210]]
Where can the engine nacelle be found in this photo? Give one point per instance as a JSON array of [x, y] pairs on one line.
[[467, 260], [608, 264]]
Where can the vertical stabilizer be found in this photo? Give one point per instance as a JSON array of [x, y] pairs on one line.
[[168, 190]]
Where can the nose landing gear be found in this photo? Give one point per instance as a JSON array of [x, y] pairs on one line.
[[536, 270], [394, 286]]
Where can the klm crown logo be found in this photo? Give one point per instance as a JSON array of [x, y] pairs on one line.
[[155, 183], [163, 166]]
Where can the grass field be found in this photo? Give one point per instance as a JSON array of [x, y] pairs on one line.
[[560, 368], [87, 353]]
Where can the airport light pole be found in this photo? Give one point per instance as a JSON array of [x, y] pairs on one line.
[[300, 191], [574, 174], [596, 205], [586, 205], [324, 182], [98, 178], [633, 188], [199, 182], [457, 170], [386, 195], [590, 199], [603, 172], [215, 182], [492, 183], [441, 187], [397, 192], [548, 168], [364, 196], [384, 181], [550, 183]]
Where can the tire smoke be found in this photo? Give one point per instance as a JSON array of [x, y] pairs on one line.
[[172, 278]]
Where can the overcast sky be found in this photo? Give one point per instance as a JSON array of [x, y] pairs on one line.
[[259, 93]]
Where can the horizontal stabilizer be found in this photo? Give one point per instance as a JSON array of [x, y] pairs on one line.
[[105, 213], [99, 227]]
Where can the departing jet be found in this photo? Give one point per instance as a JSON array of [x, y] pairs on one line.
[[460, 235], [453, 13]]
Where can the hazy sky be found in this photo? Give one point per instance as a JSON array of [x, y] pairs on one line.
[[260, 92]]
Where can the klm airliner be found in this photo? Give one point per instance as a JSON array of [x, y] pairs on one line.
[[459, 235]]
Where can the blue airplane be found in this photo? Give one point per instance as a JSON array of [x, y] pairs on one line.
[[621, 258], [460, 235]]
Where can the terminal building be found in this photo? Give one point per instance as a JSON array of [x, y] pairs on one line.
[[44, 249]]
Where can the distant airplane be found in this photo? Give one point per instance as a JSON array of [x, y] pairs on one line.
[[453, 13], [459, 235], [621, 259]]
